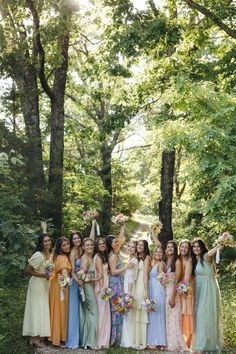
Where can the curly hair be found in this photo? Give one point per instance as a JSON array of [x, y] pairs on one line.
[[57, 249], [39, 243]]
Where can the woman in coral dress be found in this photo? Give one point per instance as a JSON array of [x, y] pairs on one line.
[[36, 319], [208, 326], [130, 276], [141, 293], [104, 315], [58, 297]]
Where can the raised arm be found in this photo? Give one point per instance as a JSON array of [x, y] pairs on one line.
[[155, 239], [93, 230], [121, 236], [211, 254]]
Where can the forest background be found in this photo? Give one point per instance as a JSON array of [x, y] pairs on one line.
[[118, 106]]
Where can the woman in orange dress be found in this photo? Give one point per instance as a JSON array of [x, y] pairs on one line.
[[58, 297], [187, 301]]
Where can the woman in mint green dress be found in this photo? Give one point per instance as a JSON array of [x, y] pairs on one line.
[[208, 331], [89, 309]]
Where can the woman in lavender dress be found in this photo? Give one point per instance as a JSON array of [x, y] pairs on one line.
[[116, 282], [156, 334]]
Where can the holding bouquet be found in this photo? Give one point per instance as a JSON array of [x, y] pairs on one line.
[[63, 280], [128, 302], [120, 219], [184, 288], [106, 293], [49, 269], [164, 279], [149, 305], [157, 226], [90, 215], [118, 304], [82, 274], [224, 240]]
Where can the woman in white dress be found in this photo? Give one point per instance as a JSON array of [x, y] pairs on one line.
[[140, 317], [36, 319], [130, 276]]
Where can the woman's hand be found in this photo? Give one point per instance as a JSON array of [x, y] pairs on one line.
[[172, 302], [129, 265]]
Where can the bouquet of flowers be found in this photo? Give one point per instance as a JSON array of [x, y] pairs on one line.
[[63, 280], [82, 274], [49, 269], [156, 226], [148, 305], [184, 288], [128, 302], [118, 303], [120, 219], [89, 215], [224, 240], [106, 293], [164, 279]]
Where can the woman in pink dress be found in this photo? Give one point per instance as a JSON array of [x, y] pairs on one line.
[[104, 315], [174, 337]]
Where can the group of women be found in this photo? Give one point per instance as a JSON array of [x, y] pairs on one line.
[[81, 318]]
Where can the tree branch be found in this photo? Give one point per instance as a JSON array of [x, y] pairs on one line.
[[39, 50], [133, 147], [212, 16]]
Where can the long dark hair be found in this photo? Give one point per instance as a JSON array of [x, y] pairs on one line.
[[57, 249], [204, 250], [39, 243], [109, 239], [102, 255], [71, 238], [175, 255], [145, 251]]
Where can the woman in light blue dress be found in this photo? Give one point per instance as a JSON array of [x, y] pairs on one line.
[[156, 330], [73, 327], [208, 326]]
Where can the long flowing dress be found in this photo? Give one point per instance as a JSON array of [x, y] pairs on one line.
[[36, 318], [73, 313], [89, 313], [58, 306], [139, 316], [130, 275], [187, 315], [208, 336], [156, 330], [104, 315], [174, 337], [116, 284]]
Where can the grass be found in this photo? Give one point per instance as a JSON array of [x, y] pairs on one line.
[[12, 302]]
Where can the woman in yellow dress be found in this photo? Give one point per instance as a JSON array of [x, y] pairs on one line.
[[58, 297], [36, 319]]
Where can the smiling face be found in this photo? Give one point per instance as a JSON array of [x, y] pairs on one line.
[[115, 244], [46, 243], [196, 249], [102, 246], [169, 249], [140, 247], [76, 240], [65, 247], [184, 249], [131, 248], [158, 254], [88, 247]]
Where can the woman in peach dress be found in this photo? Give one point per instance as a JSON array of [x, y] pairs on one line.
[[101, 272], [187, 301], [58, 302]]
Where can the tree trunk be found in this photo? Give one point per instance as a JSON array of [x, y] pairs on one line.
[[165, 204], [28, 91], [55, 182], [105, 174]]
